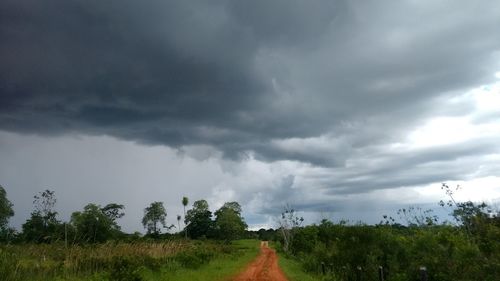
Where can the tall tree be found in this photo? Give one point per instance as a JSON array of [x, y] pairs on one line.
[[199, 220], [5, 208], [43, 225], [288, 223], [229, 224], [6, 212], [185, 202], [154, 215], [92, 224], [113, 211], [44, 204]]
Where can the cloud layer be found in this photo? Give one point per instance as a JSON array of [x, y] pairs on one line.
[[341, 96]]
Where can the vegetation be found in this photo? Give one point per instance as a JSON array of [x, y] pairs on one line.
[[91, 246], [5, 213], [154, 215], [198, 221], [95, 224], [468, 249], [228, 223], [185, 202], [139, 260]]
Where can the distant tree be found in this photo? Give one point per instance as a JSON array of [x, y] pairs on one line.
[[113, 211], [154, 215], [92, 224], [229, 224], [44, 204], [179, 221], [43, 225], [5, 208], [199, 220], [288, 224], [6, 212], [185, 202]]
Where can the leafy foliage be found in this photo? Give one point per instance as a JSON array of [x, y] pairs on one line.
[[229, 224], [154, 215], [467, 251], [288, 224], [94, 224], [198, 220], [43, 225], [5, 208], [6, 212]]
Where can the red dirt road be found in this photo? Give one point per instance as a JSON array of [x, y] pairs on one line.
[[264, 268]]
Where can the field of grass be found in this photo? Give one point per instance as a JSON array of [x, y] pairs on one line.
[[294, 271], [292, 268], [220, 268], [169, 260]]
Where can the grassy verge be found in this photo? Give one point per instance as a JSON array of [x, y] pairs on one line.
[[167, 260], [220, 268], [293, 270]]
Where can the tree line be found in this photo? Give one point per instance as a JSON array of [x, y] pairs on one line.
[[96, 223]]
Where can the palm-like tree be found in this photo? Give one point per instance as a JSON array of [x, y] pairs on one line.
[[185, 201]]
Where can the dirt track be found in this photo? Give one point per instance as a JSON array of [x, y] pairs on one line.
[[264, 268]]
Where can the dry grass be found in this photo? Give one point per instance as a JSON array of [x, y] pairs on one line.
[[20, 262]]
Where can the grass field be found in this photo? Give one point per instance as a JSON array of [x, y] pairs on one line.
[[171, 260], [220, 268], [292, 268]]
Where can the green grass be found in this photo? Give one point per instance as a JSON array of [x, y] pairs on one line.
[[169, 260], [220, 268], [292, 268]]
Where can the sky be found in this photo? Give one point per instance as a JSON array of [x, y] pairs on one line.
[[341, 109]]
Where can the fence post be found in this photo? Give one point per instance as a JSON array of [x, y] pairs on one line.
[[380, 273], [323, 268], [423, 273], [358, 273]]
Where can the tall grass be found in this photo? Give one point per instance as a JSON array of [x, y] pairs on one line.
[[51, 261]]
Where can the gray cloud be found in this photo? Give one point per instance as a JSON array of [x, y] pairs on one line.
[[328, 86], [168, 72]]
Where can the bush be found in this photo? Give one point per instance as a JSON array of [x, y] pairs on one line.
[[125, 269]]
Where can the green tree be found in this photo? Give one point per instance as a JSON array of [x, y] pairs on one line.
[[185, 202], [154, 215], [179, 221], [6, 212], [229, 224], [5, 208], [93, 224], [114, 211], [288, 224], [43, 225], [199, 220]]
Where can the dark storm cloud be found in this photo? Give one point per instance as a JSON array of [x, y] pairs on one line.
[[268, 77]]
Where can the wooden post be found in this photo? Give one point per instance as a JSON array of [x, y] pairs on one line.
[[423, 273], [380, 273], [323, 268]]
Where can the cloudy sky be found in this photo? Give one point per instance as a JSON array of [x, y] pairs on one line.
[[343, 109]]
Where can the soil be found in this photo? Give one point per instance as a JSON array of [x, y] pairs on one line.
[[263, 268]]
